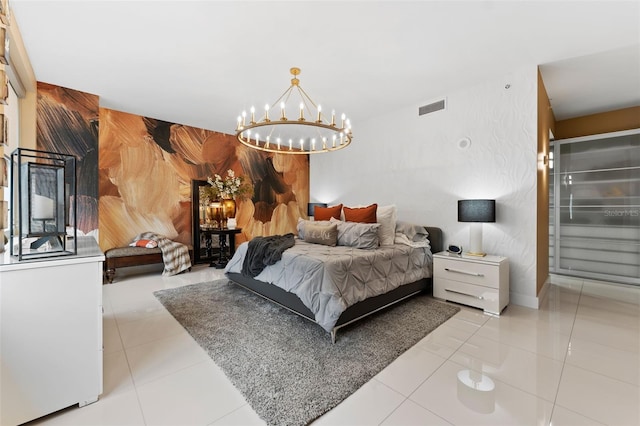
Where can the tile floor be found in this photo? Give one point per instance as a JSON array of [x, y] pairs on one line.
[[576, 361]]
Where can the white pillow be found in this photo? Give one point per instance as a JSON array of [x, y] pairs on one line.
[[387, 217]]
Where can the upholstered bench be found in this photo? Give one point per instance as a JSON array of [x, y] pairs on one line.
[[121, 257]]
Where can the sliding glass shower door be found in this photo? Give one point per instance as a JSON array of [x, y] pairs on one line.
[[595, 207]]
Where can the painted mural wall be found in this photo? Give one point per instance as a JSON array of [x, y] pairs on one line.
[[135, 172], [147, 165], [67, 122], [418, 164]]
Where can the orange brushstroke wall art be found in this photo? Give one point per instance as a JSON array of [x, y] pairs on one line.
[[145, 172], [67, 122], [134, 172]]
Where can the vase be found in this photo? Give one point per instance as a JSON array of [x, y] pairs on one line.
[[228, 208]]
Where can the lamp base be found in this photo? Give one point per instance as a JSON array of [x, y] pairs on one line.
[[475, 240]]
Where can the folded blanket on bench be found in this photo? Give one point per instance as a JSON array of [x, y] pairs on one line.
[[175, 255]]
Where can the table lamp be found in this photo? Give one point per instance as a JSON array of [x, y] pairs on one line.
[[477, 212]]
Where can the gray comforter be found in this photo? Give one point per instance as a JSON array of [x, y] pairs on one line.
[[330, 279]]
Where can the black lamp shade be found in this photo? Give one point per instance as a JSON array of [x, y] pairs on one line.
[[311, 207], [476, 210]]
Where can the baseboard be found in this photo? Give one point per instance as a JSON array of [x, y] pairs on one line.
[[532, 302], [542, 294], [527, 301], [565, 279]]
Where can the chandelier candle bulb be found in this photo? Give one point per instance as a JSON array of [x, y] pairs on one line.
[[253, 115], [319, 114], [313, 144], [283, 117], [266, 113], [301, 112], [334, 141], [333, 118], [290, 144], [302, 144], [324, 143], [267, 144], [278, 141], [257, 139]]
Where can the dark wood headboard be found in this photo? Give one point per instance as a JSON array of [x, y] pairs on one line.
[[435, 239]]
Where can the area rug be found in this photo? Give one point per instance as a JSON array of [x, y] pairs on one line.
[[286, 366]]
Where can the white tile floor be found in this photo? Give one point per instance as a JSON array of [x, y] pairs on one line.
[[576, 361]]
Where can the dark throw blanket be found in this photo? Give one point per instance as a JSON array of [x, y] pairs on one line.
[[265, 251]]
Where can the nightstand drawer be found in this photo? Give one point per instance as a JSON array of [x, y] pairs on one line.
[[468, 272], [468, 294]]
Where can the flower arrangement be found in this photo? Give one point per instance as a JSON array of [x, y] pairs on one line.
[[231, 186]]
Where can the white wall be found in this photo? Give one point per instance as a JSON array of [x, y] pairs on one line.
[[416, 163]]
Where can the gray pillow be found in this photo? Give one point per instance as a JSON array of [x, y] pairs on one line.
[[321, 234], [358, 235], [302, 224]]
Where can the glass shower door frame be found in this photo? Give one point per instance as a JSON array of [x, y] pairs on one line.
[[603, 235]]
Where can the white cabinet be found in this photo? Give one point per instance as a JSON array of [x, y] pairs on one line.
[[50, 333], [482, 282]]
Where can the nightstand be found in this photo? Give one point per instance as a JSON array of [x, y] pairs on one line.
[[482, 282]]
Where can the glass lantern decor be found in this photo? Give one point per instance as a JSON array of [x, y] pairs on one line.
[[43, 204]]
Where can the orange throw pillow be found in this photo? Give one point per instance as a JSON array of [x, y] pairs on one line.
[[326, 213], [362, 214], [144, 243]]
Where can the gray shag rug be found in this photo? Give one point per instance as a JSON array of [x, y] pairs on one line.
[[286, 366]]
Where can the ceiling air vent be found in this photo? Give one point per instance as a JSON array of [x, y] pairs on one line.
[[432, 107]]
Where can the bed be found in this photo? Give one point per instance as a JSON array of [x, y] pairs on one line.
[[335, 286]]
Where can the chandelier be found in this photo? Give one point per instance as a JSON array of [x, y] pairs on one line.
[[306, 134]]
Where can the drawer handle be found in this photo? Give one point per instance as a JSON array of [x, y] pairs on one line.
[[474, 274], [464, 294]]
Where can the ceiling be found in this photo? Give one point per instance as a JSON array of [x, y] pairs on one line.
[[200, 63]]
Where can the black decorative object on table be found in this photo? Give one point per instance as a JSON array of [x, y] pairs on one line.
[[43, 204]]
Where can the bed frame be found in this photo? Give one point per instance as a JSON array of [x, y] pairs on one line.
[[360, 310]]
